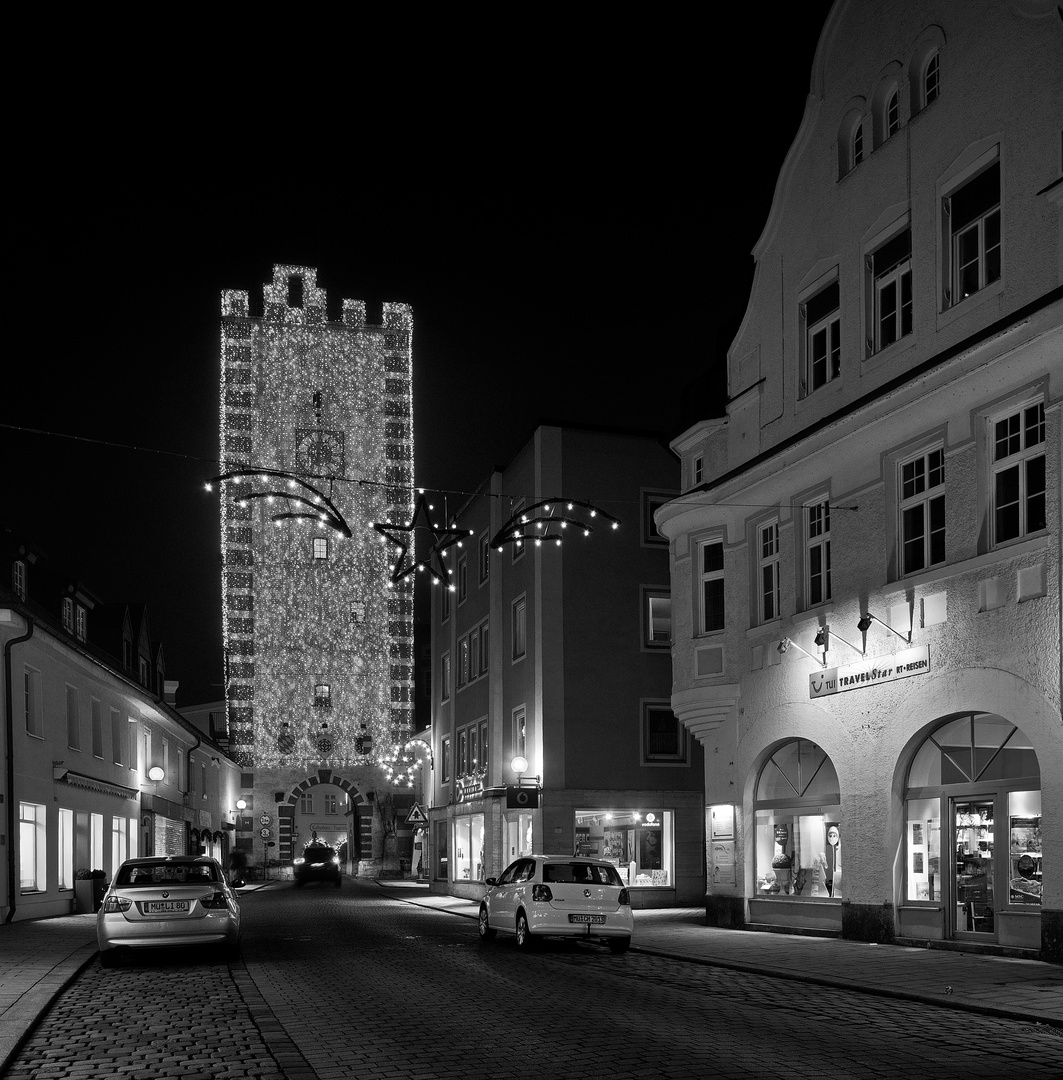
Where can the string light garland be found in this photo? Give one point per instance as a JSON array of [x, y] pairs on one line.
[[405, 538], [401, 764], [319, 507], [546, 521]]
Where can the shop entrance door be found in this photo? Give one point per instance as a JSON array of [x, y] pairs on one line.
[[975, 896]]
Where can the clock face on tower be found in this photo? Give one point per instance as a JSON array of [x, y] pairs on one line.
[[319, 452]]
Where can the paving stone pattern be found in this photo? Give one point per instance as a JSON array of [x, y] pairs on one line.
[[349, 984]]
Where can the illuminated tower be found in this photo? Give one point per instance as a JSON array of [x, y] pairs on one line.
[[318, 643]]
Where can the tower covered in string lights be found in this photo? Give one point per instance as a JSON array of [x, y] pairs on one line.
[[318, 640]]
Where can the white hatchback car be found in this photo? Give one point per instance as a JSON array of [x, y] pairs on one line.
[[167, 901], [558, 896]]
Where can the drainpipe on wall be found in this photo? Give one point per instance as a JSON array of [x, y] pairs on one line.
[[10, 726]]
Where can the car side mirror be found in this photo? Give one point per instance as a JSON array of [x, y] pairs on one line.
[[491, 881]]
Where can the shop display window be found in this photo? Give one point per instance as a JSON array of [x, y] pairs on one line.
[[469, 848], [1024, 847], [799, 853], [639, 843], [797, 817], [518, 836], [924, 849]]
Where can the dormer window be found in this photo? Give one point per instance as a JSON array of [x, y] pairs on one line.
[[932, 79], [145, 672], [80, 622], [893, 115], [68, 614], [18, 578]]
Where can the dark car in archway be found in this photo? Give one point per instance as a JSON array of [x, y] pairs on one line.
[[318, 862]]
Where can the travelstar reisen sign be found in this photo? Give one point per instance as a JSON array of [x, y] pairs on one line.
[[871, 672]]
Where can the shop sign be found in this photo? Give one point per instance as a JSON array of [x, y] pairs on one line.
[[869, 672], [470, 787]]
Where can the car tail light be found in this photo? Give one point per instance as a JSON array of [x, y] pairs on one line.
[[542, 893], [112, 905], [214, 902], [624, 899]]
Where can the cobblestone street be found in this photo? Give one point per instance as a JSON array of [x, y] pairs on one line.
[[352, 984]]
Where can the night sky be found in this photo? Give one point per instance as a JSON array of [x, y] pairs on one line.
[[569, 209]]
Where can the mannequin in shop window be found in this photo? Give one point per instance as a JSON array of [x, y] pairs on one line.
[[834, 846]]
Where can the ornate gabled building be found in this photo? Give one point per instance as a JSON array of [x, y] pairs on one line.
[[865, 559], [317, 443]]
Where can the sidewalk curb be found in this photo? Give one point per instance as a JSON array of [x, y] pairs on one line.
[[33, 1006], [847, 984]]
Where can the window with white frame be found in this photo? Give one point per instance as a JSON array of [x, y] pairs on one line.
[[520, 627], [322, 695], [444, 677], [652, 501], [73, 719], [485, 558], [889, 268], [32, 847], [119, 841], [517, 547], [96, 719], [768, 559], [320, 547], [331, 804], [520, 732], [821, 318], [306, 802], [697, 475], [1018, 468], [117, 737], [922, 511], [931, 82], [817, 553], [664, 739], [463, 662], [971, 218], [463, 579], [34, 703], [96, 841], [444, 760], [474, 654], [710, 559], [857, 143], [891, 117], [80, 622], [66, 849], [656, 618], [18, 578], [68, 614]]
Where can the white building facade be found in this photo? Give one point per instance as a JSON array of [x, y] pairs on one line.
[[865, 559]]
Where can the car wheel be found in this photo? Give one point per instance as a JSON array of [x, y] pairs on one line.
[[525, 938], [483, 927], [109, 959], [619, 944]]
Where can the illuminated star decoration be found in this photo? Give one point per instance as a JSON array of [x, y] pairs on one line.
[[405, 538], [315, 507], [547, 520]]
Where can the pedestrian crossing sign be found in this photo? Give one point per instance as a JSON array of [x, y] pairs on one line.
[[417, 816]]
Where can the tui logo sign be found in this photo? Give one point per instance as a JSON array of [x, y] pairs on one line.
[[871, 672]]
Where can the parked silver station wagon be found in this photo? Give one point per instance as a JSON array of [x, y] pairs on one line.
[[558, 896]]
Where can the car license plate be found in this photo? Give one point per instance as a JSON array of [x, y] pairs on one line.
[[165, 907], [587, 918]]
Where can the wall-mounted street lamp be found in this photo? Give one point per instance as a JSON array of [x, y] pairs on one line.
[[786, 645], [241, 804], [823, 641], [156, 773], [865, 624]]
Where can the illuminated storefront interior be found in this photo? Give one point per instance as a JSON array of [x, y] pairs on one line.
[[639, 843]]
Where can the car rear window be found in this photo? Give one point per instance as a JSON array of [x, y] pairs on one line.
[[318, 854], [166, 874], [580, 873]]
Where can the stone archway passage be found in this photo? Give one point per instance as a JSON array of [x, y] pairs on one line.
[[363, 832]]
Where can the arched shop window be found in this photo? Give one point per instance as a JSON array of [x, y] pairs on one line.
[[978, 773], [798, 824]]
